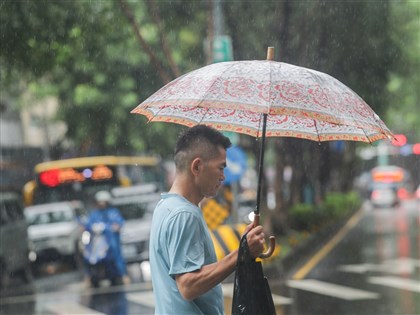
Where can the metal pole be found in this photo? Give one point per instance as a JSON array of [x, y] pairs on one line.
[[261, 165], [270, 56]]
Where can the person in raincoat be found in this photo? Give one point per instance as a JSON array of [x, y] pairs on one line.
[[186, 275], [113, 220]]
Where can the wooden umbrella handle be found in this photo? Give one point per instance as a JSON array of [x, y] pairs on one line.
[[272, 239]]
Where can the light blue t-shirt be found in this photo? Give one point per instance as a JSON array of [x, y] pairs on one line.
[[180, 242]]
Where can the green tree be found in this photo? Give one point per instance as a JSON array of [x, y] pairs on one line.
[[403, 113], [101, 58], [87, 53]]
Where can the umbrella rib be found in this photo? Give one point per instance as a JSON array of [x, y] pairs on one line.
[[384, 132], [363, 130], [213, 83], [155, 114], [367, 137], [202, 118]]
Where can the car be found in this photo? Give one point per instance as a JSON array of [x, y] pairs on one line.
[[54, 229], [136, 206], [246, 208], [14, 242], [384, 195]]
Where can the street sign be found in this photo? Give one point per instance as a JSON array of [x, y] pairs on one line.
[[222, 48], [236, 164]]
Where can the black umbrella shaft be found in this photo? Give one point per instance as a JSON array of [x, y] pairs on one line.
[[261, 165]]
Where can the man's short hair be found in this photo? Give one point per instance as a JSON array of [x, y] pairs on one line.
[[198, 141]]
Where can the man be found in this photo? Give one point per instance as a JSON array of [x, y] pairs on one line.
[[185, 273], [113, 222]]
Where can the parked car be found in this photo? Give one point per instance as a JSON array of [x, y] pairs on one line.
[[137, 209], [14, 243], [54, 229]]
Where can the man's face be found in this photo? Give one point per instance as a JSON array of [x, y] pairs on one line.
[[212, 175]]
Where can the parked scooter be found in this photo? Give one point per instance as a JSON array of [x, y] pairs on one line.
[[97, 256]]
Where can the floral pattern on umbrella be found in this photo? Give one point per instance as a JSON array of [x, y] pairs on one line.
[[250, 123], [245, 89]]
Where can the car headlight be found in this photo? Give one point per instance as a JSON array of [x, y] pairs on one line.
[[251, 216], [32, 256]]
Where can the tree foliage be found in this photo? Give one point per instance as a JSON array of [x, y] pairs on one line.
[[101, 58], [87, 52], [404, 102]]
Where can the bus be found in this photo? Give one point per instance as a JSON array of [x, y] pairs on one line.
[[80, 178]]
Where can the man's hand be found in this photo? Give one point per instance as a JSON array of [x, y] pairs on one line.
[[255, 239]]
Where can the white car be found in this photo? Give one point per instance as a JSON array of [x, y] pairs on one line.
[[137, 209], [54, 229]]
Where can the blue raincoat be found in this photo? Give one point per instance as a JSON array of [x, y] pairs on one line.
[[110, 216]]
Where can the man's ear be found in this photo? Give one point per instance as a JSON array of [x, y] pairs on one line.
[[196, 165]]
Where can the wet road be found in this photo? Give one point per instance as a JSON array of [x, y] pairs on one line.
[[371, 266]]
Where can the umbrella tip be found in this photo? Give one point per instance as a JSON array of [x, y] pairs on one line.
[[270, 53]]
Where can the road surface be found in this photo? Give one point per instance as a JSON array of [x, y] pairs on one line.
[[371, 266]]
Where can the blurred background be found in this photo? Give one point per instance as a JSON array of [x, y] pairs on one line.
[[71, 72]]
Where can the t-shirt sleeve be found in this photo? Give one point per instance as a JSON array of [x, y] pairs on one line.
[[185, 244]]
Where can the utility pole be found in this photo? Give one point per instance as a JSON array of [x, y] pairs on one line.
[[222, 43], [218, 19]]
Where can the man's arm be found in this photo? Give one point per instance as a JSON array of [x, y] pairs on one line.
[[193, 284]]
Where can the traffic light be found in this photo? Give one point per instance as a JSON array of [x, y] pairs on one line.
[[400, 140], [416, 148]]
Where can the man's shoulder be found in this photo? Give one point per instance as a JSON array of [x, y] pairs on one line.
[[175, 202], [173, 206]]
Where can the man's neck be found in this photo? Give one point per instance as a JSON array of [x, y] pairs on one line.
[[182, 187]]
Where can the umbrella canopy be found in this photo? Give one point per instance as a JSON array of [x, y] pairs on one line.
[[266, 98], [299, 102]]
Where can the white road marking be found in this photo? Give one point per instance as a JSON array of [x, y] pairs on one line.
[[147, 298], [67, 308], [398, 283], [143, 298], [408, 260], [360, 268], [277, 299], [281, 300], [334, 290], [402, 266], [396, 266]]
